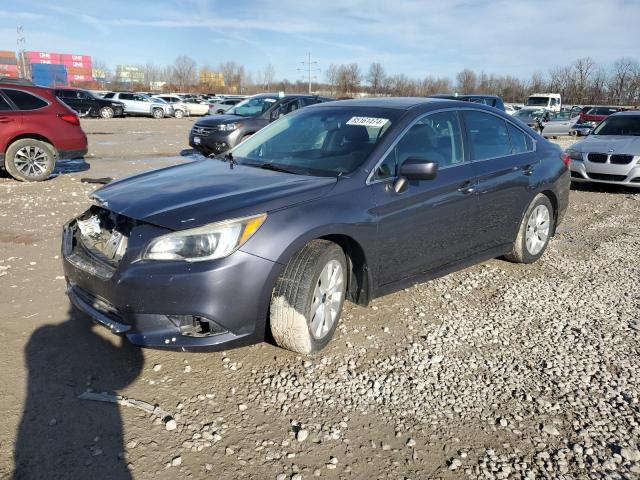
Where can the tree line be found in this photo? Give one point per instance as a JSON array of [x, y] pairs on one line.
[[583, 81]]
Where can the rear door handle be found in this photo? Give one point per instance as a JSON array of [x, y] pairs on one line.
[[467, 188], [5, 119], [528, 169]]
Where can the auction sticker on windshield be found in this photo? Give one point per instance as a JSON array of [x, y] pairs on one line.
[[368, 121]]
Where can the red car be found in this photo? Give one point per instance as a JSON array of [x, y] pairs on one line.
[[36, 130], [598, 114]]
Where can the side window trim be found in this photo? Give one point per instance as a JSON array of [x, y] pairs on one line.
[[508, 122], [370, 178], [12, 106]]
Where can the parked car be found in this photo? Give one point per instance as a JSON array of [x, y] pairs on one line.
[[533, 117], [141, 104], [339, 200], [491, 100], [595, 115], [611, 153], [218, 133], [223, 105], [510, 109], [548, 101], [87, 104], [196, 107], [558, 124], [581, 129], [36, 129], [180, 108]]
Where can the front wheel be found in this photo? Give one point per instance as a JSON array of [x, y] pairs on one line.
[[178, 114], [535, 231], [158, 113], [308, 297], [30, 160], [106, 112]]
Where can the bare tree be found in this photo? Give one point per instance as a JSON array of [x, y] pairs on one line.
[[376, 77], [267, 76], [184, 71], [467, 81], [581, 72], [622, 76], [332, 76]]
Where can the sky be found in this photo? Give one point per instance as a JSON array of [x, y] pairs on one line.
[[416, 38]]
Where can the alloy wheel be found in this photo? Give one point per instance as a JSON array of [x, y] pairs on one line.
[[538, 227], [31, 161], [327, 299]]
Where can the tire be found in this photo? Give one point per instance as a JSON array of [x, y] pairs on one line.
[[244, 138], [158, 113], [301, 320], [535, 231], [178, 114], [30, 160], [106, 112]]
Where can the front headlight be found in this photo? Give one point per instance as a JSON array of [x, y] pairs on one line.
[[574, 154], [216, 240], [227, 127]]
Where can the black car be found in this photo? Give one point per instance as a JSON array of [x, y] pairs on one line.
[[491, 100], [340, 200], [218, 133], [87, 104]]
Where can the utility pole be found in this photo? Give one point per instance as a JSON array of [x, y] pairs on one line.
[[309, 68], [21, 42]]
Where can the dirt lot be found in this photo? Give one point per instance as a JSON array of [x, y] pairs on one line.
[[497, 371]]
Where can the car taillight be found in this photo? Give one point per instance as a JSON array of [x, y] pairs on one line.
[[566, 159], [69, 118]]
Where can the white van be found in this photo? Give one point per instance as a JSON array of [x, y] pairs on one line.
[[549, 101]]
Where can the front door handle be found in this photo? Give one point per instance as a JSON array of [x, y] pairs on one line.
[[528, 169], [467, 188], [5, 119]]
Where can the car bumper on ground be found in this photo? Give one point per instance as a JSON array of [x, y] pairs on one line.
[[587, 171], [178, 305]]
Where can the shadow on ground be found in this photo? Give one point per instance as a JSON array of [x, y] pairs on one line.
[[59, 435], [64, 167]]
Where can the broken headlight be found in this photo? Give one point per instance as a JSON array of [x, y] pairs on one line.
[[209, 242]]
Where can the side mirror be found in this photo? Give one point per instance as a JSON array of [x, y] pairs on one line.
[[275, 114], [415, 168]]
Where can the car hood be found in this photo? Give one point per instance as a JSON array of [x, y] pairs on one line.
[[219, 119], [206, 191], [629, 145]]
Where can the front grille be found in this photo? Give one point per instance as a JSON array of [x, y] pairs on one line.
[[109, 244], [635, 180], [597, 157], [621, 159], [606, 177], [204, 131]]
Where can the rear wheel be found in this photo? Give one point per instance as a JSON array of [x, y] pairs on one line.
[[308, 297], [106, 112], [30, 160], [158, 113], [535, 231]]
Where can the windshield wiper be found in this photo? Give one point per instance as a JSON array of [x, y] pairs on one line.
[[276, 168]]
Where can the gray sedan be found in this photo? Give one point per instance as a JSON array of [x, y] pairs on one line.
[[611, 154]]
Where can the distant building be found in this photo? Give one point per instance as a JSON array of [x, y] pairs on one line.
[[157, 86], [129, 74], [213, 80]]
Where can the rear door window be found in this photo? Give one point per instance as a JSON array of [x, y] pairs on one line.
[[520, 141], [126, 96], [487, 134], [24, 100], [109, 95]]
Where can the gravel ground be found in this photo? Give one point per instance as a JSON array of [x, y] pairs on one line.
[[497, 371]]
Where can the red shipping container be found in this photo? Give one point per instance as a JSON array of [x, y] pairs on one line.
[[51, 57], [40, 60], [8, 68], [10, 74], [77, 65], [75, 58], [81, 78], [79, 71]]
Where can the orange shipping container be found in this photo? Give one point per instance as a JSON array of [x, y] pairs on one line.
[[79, 71], [8, 68], [7, 53]]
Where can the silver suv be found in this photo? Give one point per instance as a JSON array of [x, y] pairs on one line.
[[141, 104]]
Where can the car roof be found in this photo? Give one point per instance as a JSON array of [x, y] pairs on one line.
[[629, 113], [452, 96], [403, 103]]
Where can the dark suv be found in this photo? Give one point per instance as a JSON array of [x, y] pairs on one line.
[[218, 133], [87, 104], [342, 200]]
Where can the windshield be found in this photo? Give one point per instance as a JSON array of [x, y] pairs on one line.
[[538, 101], [325, 141], [252, 107], [561, 116], [619, 125]]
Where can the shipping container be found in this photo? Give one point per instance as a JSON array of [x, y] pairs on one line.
[[36, 57], [75, 58], [84, 65], [8, 68], [8, 61], [80, 78], [7, 53], [49, 75], [9, 75], [80, 71]]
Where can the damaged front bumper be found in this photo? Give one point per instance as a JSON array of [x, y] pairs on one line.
[[169, 304]]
